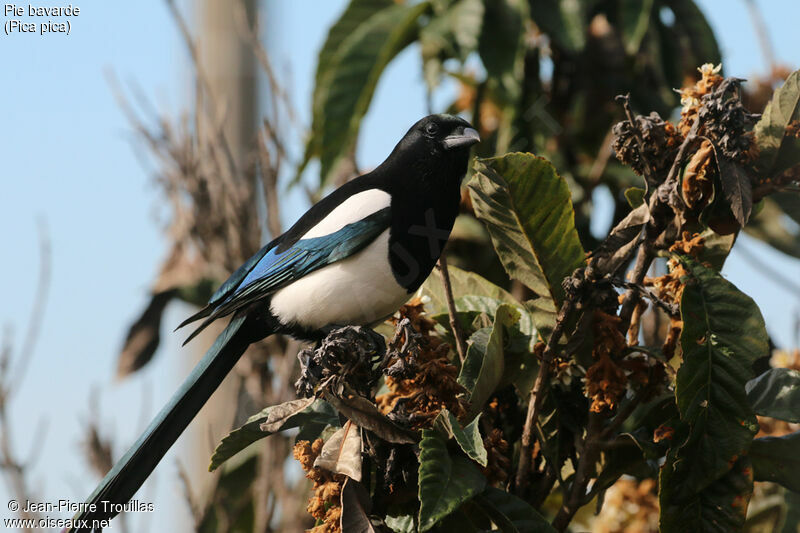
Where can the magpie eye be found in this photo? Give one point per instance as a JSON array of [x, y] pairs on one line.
[[431, 129]]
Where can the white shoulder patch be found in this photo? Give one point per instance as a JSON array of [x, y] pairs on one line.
[[355, 208]]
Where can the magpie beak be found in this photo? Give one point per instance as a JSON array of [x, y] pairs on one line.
[[465, 137]]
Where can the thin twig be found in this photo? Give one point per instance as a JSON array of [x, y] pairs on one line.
[[195, 509], [269, 181], [458, 333], [650, 179], [13, 469], [537, 396], [39, 301], [670, 309], [659, 201], [644, 258], [251, 33], [601, 160]]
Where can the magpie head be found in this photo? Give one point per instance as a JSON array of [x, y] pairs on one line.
[[438, 137], [436, 147], [444, 133]]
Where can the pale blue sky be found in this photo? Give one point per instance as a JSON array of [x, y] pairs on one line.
[[67, 158]]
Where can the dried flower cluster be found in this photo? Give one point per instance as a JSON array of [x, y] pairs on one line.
[[498, 464], [723, 118], [605, 379], [420, 377], [670, 286], [692, 95], [351, 351], [325, 503], [661, 142]]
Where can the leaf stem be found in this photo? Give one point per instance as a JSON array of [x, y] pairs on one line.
[[458, 333]]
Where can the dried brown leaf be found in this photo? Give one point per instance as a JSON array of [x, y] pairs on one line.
[[356, 506], [366, 414], [341, 453]]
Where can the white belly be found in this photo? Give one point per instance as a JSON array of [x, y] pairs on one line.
[[358, 290]]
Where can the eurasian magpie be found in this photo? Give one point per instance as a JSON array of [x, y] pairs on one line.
[[353, 258]]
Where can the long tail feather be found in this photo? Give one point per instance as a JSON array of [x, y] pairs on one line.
[[130, 472], [204, 312]]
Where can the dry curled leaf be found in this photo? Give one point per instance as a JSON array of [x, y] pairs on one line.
[[341, 453], [366, 414], [356, 506], [698, 184]]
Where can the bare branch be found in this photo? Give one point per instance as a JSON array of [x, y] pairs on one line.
[[461, 346]]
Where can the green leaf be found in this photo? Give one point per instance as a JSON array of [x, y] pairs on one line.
[[635, 15], [702, 43], [778, 152], [720, 507], [512, 514], [237, 477], [402, 517], [789, 202], [520, 364], [771, 226], [484, 363], [776, 393], [349, 68], [452, 33], [445, 482], [502, 45], [634, 196], [356, 13], [716, 248], [776, 459], [470, 306], [723, 334], [791, 522], [271, 420], [562, 20], [543, 312], [403, 523], [463, 520], [527, 209], [468, 439], [463, 283]]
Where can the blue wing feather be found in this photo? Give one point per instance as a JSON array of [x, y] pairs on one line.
[[275, 268], [269, 270]]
